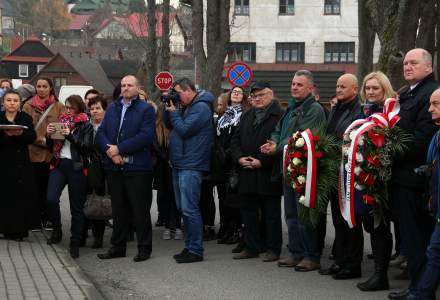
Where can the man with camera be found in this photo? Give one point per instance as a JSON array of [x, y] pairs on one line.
[[126, 137], [189, 117]]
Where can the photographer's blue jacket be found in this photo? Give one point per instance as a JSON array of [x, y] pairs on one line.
[[192, 134], [135, 137]]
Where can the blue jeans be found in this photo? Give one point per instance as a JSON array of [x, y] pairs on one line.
[[63, 174], [430, 279], [187, 186], [303, 240]]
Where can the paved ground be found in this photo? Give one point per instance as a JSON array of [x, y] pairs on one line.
[[218, 277], [34, 270]]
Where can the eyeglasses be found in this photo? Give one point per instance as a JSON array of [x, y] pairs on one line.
[[260, 95], [236, 93]]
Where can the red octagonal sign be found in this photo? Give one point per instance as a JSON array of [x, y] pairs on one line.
[[163, 80]]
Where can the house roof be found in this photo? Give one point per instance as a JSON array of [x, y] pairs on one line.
[[78, 21], [137, 23], [23, 54]]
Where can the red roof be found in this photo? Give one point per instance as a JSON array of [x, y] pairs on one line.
[[78, 21], [138, 23], [26, 59]]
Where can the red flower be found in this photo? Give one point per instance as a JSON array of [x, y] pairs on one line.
[[302, 170], [368, 199], [319, 154], [378, 139], [305, 147], [316, 138], [374, 160], [305, 154], [296, 154], [366, 178]]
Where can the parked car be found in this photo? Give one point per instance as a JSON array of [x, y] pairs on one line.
[[68, 90]]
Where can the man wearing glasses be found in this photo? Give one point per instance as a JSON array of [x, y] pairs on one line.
[[303, 112]]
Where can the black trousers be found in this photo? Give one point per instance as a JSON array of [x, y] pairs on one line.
[[349, 242], [131, 195], [268, 208], [207, 204], [415, 225], [41, 176]]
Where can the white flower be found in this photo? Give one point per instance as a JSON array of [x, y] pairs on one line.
[[301, 179], [299, 143], [345, 150], [359, 187], [296, 161], [352, 135], [289, 168], [357, 171], [302, 200], [346, 137], [359, 157], [361, 141]]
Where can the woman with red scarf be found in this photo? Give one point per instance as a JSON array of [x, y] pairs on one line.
[[68, 168], [44, 108]]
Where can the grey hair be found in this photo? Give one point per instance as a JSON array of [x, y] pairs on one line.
[[307, 74]]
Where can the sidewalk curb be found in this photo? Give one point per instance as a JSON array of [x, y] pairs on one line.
[[80, 278]]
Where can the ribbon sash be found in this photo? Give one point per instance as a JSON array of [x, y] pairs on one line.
[[310, 190]]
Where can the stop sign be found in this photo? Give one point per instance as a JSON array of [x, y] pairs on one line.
[[163, 80]]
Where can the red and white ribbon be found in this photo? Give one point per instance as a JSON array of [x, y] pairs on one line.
[[388, 118], [310, 189]]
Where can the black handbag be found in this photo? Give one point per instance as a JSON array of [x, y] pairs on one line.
[[98, 207]]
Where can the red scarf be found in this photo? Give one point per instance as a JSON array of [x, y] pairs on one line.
[[70, 120], [41, 104]]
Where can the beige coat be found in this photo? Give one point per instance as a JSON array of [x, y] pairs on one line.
[[38, 151]]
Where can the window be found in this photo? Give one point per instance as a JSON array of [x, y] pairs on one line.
[[23, 70], [332, 7], [241, 51], [39, 67], [287, 7], [241, 7], [59, 81], [290, 52], [339, 52]]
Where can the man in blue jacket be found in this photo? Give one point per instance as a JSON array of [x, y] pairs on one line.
[[126, 136], [191, 140]]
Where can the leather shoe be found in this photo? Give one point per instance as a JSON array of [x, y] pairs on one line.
[[181, 254], [348, 274], [111, 254], [244, 255], [400, 295], [189, 258], [269, 256], [288, 262], [306, 265], [333, 269], [141, 256]]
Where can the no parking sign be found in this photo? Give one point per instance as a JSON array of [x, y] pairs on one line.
[[239, 74]]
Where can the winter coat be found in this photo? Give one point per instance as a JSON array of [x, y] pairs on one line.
[[192, 134], [307, 115], [134, 139], [39, 151], [345, 113], [415, 120], [247, 141], [18, 207]]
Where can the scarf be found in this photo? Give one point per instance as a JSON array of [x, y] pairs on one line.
[[230, 118], [69, 120], [41, 104], [260, 114]]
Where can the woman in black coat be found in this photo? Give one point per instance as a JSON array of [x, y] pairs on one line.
[[18, 208]]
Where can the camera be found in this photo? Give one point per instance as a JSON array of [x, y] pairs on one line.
[[172, 97], [424, 170]]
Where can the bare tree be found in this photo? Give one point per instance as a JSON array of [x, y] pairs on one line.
[[210, 64], [165, 40], [366, 40], [151, 53]]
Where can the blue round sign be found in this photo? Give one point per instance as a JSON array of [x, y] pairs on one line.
[[239, 74]]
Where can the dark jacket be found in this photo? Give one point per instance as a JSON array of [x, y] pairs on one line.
[[18, 207], [415, 120], [307, 115], [246, 141], [134, 139], [192, 134], [341, 116]]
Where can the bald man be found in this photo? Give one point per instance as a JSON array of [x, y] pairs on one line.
[[348, 242], [407, 189], [126, 136]]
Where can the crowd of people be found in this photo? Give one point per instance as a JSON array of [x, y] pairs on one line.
[[191, 145]]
